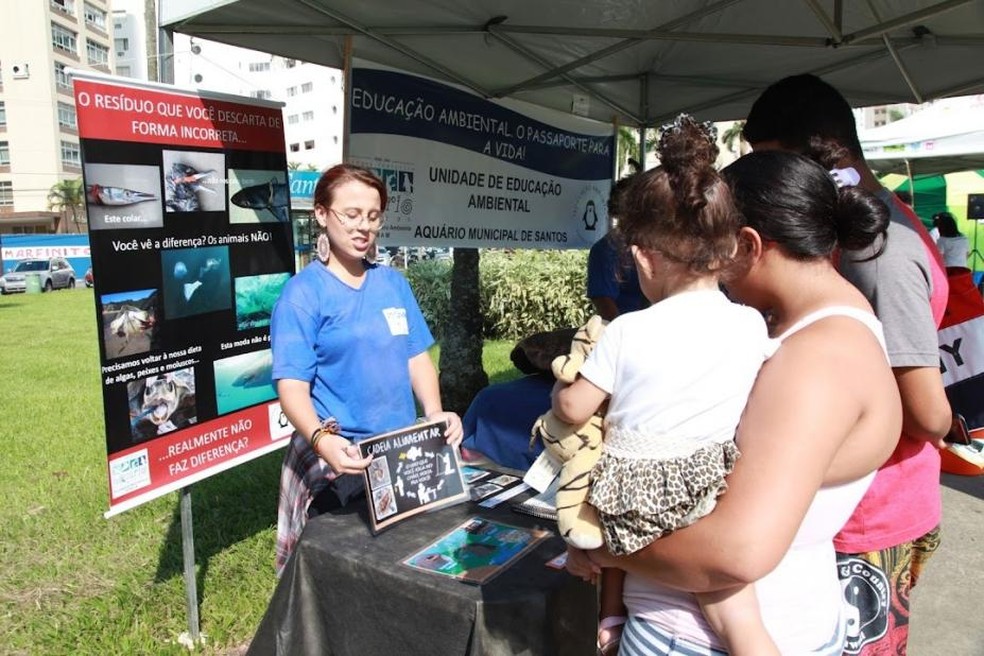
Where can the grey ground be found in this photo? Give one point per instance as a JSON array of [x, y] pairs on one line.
[[947, 606]]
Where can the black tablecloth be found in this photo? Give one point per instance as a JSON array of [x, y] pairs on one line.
[[345, 593]]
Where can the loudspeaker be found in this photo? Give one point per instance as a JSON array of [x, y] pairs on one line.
[[975, 206]]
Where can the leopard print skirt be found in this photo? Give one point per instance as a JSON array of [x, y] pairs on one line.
[[641, 499]]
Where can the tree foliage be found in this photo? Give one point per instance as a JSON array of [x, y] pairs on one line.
[[67, 197]]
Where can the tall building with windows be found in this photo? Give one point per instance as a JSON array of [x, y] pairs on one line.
[[130, 39], [39, 143], [314, 110]]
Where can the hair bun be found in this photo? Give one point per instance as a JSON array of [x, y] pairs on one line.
[[686, 144], [687, 152]]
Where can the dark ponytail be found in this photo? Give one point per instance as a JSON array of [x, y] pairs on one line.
[[861, 219]]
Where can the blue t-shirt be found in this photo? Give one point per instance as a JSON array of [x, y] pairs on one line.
[[351, 345], [611, 275]]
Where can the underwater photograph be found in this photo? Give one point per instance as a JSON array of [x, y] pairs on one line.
[[244, 380], [196, 280], [255, 296]]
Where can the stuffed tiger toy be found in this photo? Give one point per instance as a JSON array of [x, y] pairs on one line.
[[578, 448]]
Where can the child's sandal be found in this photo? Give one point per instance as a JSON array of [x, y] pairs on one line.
[[610, 635]]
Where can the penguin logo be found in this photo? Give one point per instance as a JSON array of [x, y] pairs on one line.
[[590, 216]]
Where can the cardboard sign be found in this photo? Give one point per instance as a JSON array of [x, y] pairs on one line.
[[413, 469]]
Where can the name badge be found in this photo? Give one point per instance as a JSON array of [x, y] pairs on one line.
[[397, 320]]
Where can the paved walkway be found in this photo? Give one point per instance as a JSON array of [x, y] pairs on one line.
[[947, 606]]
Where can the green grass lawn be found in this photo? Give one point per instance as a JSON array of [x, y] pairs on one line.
[[72, 582]]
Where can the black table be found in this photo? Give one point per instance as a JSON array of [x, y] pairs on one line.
[[345, 593]]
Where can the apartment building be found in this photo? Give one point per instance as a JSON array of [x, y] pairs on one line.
[[314, 97], [39, 144]]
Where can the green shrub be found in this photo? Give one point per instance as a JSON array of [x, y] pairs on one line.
[[523, 292], [431, 284]]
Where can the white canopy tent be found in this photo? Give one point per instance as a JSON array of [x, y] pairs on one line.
[[639, 63], [939, 139]]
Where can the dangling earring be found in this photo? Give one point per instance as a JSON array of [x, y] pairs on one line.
[[323, 247]]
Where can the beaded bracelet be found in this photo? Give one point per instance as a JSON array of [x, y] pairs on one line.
[[318, 433]]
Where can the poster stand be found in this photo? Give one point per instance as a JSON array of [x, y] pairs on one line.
[[188, 551]]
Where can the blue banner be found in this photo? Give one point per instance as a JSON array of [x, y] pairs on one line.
[[387, 102]]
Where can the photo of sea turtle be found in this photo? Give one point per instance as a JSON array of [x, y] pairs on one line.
[[162, 404]]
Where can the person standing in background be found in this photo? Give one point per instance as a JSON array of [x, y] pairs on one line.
[[953, 246], [613, 283], [895, 529]]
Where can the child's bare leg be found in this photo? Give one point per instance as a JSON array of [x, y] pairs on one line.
[[612, 610], [734, 615]]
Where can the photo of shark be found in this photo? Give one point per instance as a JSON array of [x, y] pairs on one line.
[[193, 181], [244, 380], [123, 196], [258, 196]]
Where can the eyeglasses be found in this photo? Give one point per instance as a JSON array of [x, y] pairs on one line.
[[352, 219]]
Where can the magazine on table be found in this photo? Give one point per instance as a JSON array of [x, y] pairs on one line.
[[476, 550], [542, 505], [413, 470]]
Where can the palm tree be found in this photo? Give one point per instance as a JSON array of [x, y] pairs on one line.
[[628, 146], [293, 166], [68, 198], [731, 134]]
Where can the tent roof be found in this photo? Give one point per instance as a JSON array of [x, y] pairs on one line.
[[939, 139], [642, 62]]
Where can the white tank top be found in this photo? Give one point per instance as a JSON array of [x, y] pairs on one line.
[[801, 598]]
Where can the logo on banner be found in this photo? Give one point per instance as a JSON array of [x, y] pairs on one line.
[[129, 473], [590, 214], [280, 426], [866, 602]]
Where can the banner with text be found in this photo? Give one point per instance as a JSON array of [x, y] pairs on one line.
[[469, 172], [188, 202]]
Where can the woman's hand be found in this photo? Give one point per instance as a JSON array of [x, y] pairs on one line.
[[341, 455], [454, 432], [580, 564]]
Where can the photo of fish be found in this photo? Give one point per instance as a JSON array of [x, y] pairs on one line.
[[258, 196], [244, 380], [255, 296], [129, 322], [99, 195], [193, 181], [123, 196], [196, 280], [162, 404]]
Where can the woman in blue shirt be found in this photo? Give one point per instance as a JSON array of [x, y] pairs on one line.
[[349, 352]]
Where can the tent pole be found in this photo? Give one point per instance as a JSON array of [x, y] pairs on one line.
[[644, 112], [912, 185], [347, 94]]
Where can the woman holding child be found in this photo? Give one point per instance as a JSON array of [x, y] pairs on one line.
[[823, 414]]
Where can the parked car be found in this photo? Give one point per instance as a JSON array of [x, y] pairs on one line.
[[52, 273], [88, 277]]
